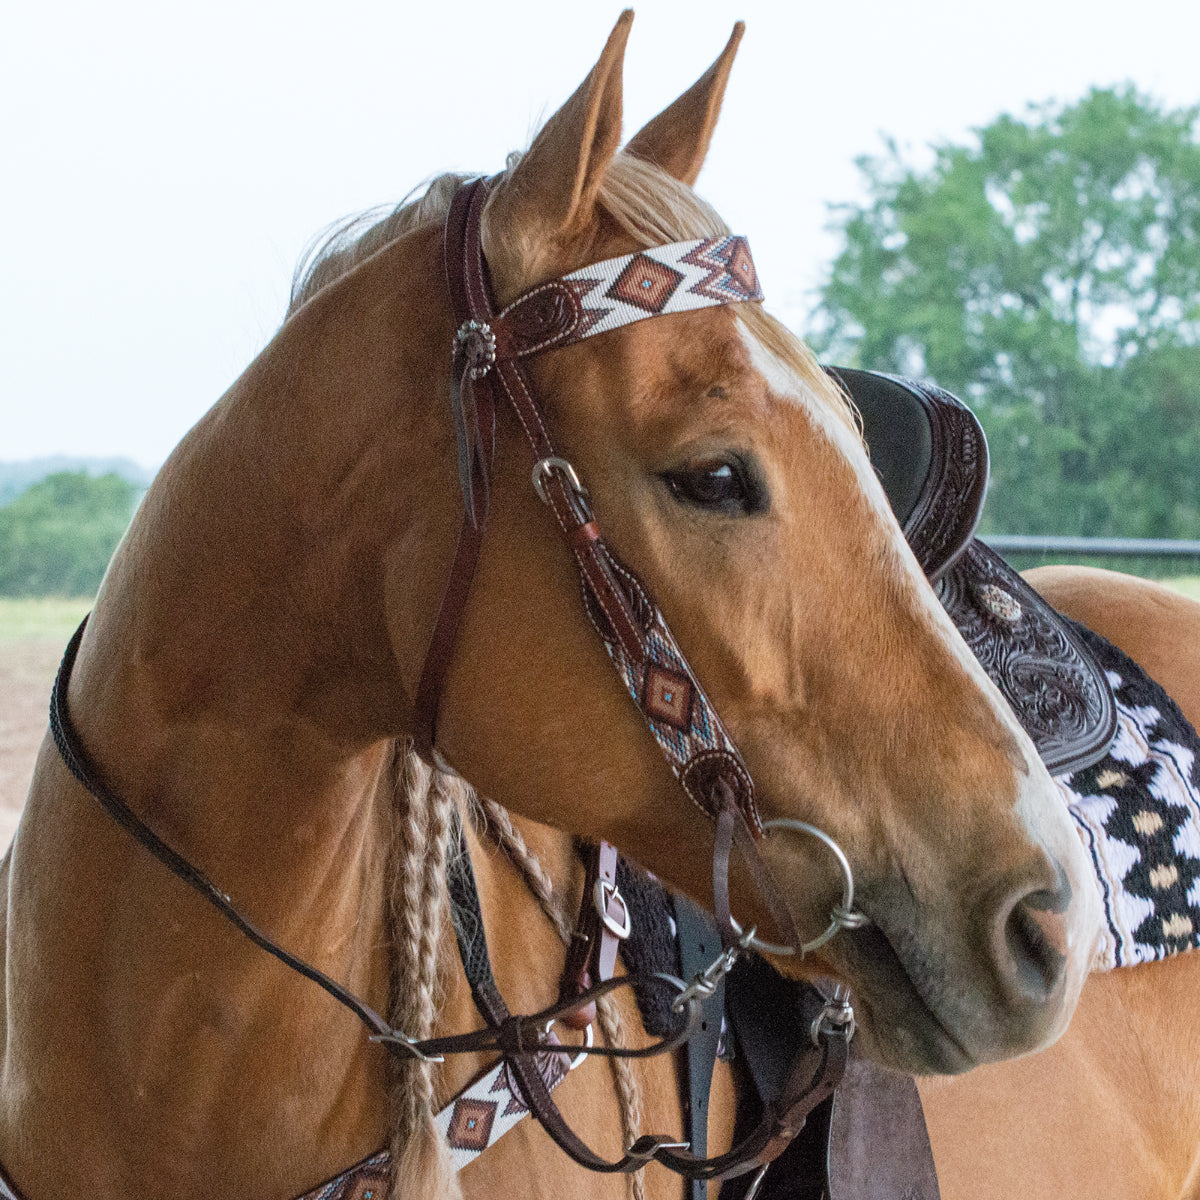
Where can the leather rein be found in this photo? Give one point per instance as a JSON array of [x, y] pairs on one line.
[[486, 368]]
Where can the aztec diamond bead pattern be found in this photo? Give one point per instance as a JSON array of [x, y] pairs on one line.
[[678, 277], [681, 717], [484, 1112]]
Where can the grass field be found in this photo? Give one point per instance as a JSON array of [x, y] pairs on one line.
[[51, 617], [1189, 585]]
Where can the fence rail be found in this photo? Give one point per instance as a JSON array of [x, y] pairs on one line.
[[1090, 547]]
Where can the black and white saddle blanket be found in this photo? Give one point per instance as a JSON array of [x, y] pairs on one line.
[[1138, 812]]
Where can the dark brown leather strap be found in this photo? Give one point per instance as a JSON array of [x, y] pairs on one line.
[[603, 924], [474, 409]]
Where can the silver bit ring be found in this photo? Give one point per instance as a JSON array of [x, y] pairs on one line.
[[842, 916]]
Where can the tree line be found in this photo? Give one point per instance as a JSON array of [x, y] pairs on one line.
[[1048, 273], [57, 536]]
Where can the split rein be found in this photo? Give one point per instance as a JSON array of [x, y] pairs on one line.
[[486, 368]]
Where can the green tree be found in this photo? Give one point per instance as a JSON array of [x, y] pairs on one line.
[[1049, 274], [57, 536]]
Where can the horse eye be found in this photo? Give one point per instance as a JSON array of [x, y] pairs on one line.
[[727, 487]]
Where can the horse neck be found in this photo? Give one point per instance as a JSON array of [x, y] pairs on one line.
[[236, 685], [256, 638]]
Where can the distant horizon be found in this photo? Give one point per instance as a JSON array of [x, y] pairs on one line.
[[63, 456], [18, 475]]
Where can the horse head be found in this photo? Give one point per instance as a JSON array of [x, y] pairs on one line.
[[727, 470]]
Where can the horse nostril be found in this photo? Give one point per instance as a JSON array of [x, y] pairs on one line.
[[1036, 941], [1035, 936]]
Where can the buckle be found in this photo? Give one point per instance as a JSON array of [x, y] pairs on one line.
[[603, 894], [545, 467], [649, 1144]]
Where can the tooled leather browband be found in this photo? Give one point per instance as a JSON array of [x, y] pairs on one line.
[[679, 277]]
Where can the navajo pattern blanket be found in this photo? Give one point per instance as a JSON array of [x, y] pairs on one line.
[[1138, 812]]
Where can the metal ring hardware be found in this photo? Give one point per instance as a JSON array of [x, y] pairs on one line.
[[588, 1040], [409, 1045], [756, 1182], [648, 1145], [704, 983], [836, 1017], [543, 468], [842, 916]]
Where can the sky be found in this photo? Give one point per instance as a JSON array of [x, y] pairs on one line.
[[163, 165]]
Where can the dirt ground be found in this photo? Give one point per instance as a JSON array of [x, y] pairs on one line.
[[27, 669]]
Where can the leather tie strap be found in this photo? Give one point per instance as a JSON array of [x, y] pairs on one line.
[[603, 924], [699, 939], [474, 409]]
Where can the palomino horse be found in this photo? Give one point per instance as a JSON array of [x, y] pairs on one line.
[[1112, 1110], [256, 649]]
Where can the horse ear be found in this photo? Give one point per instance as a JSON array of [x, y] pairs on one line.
[[677, 139], [553, 188]]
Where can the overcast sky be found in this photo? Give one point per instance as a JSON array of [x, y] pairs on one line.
[[163, 164]]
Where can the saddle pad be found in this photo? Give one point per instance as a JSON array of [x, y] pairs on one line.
[[1138, 812]]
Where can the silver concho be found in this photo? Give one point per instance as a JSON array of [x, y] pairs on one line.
[[476, 342], [1001, 604]]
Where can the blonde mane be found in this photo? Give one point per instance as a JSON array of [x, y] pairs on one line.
[[646, 203]]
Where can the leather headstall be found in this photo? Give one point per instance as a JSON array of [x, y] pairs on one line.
[[487, 350]]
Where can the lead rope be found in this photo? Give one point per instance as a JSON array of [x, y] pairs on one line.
[[629, 1093]]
